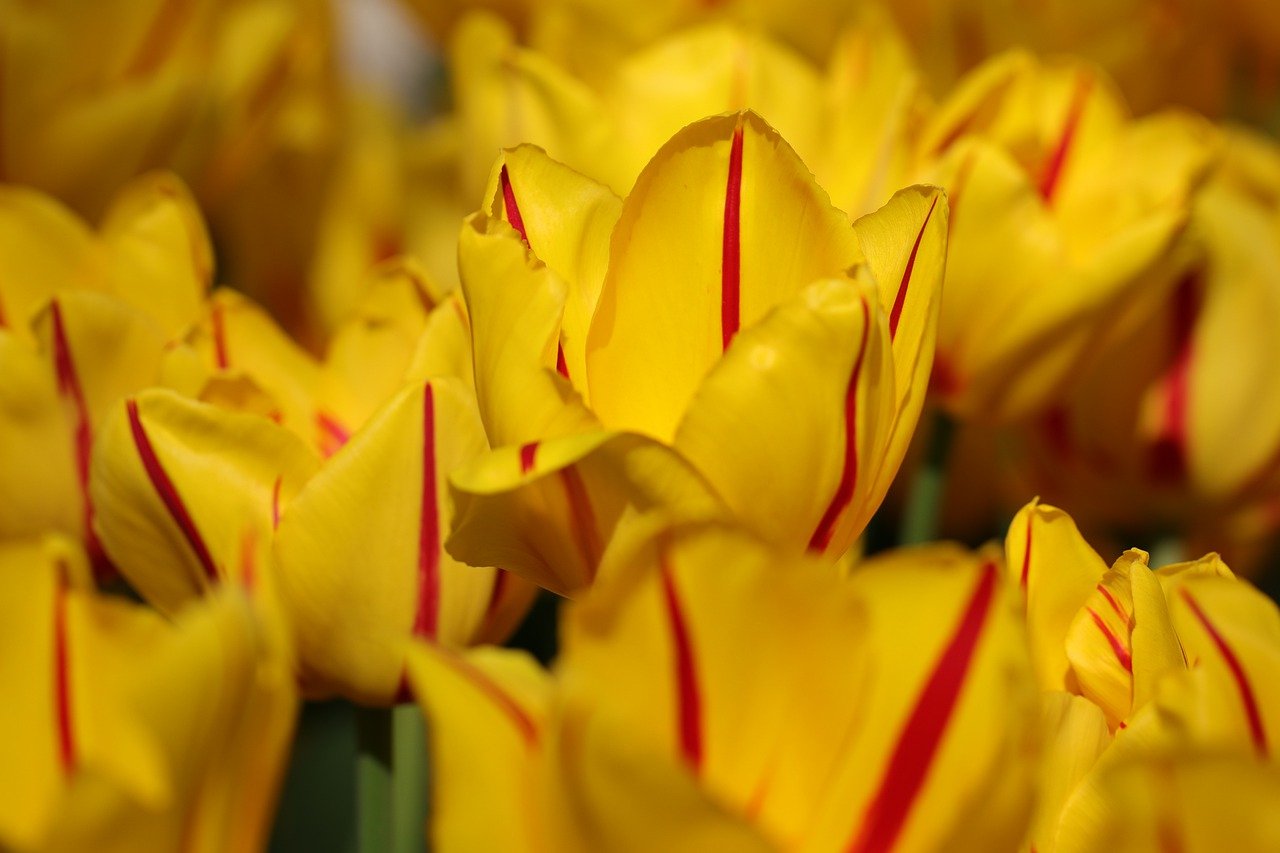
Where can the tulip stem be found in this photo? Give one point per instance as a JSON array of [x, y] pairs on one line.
[[409, 779], [924, 499], [373, 779]]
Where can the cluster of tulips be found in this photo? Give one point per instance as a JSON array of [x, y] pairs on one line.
[[666, 309]]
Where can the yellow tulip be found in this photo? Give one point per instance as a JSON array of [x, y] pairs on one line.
[[734, 343], [84, 319], [125, 732], [696, 745], [1066, 215]]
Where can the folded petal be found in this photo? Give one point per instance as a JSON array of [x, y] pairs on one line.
[[178, 483], [724, 224], [1058, 572], [1076, 734], [791, 424], [360, 565], [548, 510]]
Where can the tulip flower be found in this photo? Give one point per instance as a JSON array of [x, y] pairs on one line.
[[694, 745], [732, 313], [355, 537], [1185, 422], [84, 319], [1140, 667], [1062, 189], [125, 732]]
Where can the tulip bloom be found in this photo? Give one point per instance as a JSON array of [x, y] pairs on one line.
[[693, 745], [125, 732], [723, 339], [353, 519], [1053, 184], [1139, 667], [84, 319]]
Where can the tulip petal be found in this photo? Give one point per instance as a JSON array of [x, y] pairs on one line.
[[1076, 734], [444, 347], [159, 252], [485, 715], [1058, 571], [790, 424], [548, 510], [359, 556], [723, 225], [515, 304], [565, 219], [178, 483]]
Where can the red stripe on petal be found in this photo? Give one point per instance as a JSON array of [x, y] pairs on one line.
[[1117, 647], [426, 621], [69, 386], [168, 493], [1115, 605], [582, 518], [849, 475], [218, 322], [1058, 157], [520, 718], [1168, 456], [921, 736], [509, 203], [275, 502], [62, 676], [495, 593], [1247, 697], [731, 249], [688, 696], [528, 456], [901, 299], [1026, 555], [333, 435]]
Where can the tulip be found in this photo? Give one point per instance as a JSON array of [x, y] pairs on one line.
[[1064, 190], [125, 732], [687, 350], [694, 745]]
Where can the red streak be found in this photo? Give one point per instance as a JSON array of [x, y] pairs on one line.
[[1058, 158], [219, 338], [731, 252], [517, 222], [921, 736], [688, 700], [849, 476], [583, 517], [1121, 653], [528, 454], [167, 493], [1168, 460], [332, 434], [426, 621], [3, 322], [1026, 555], [495, 594], [275, 503], [1115, 605], [62, 676], [69, 386], [524, 724], [1247, 697], [901, 298]]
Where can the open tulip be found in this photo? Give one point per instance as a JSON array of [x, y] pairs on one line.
[[724, 337], [125, 732], [694, 745], [1066, 215]]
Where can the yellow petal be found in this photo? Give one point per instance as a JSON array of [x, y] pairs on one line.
[[548, 510], [159, 252], [515, 304], [360, 562], [565, 219], [948, 718], [791, 424], [485, 715], [1058, 571], [696, 258], [905, 244], [1076, 734], [444, 347], [177, 484]]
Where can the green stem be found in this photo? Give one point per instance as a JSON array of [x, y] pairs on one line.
[[373, 779], [409, 785], [924, 500]]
